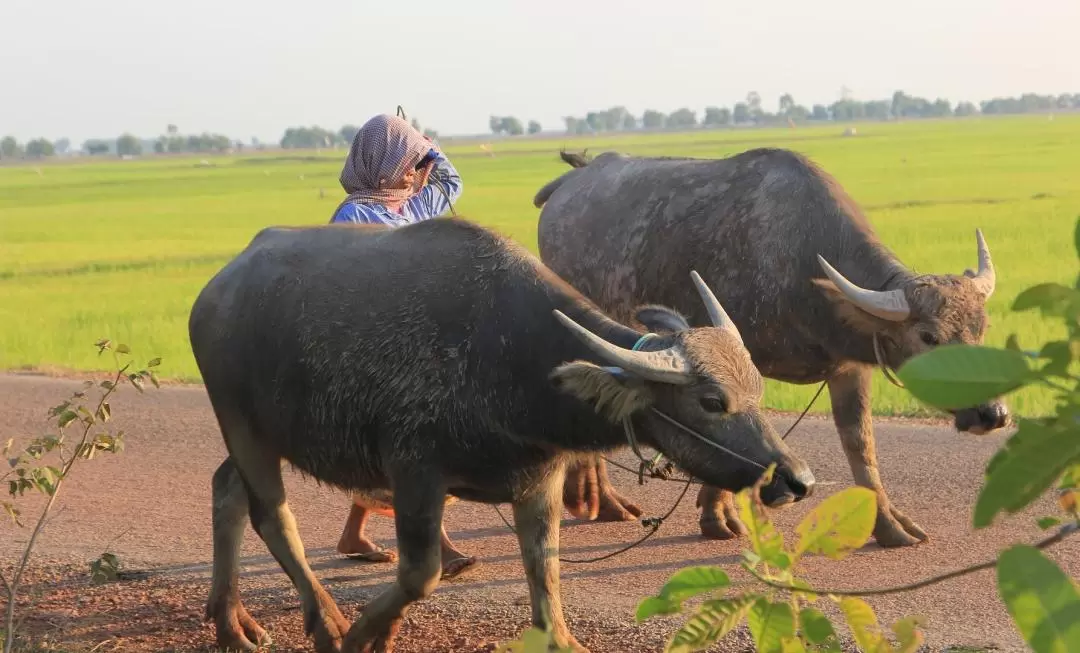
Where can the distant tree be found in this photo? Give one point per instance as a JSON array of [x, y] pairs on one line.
[[416, 125], [347, 133], [128, 145], [629, 122], [39, 148], [741, 113], [965, 109], [819, 112], [431, 133], [512, 126], [96, 146], [652, 119], [294, 138], [681, 119], [596, 120], [716, 116], [62, 145], [495, 124], [753, 103], [172, 130], [161, 145], [534, 127], [571, 124], [876, 110], [941, 108], [787, 103], [9, 147]]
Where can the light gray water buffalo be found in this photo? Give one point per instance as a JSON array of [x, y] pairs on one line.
[[437, 360], [816, 294]]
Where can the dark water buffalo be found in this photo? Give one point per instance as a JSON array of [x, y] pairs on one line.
[[441, 360], [799, 269]]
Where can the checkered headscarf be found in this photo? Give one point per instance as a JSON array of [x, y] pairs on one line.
[[384, 149]]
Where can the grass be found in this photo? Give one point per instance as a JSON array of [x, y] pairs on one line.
[[120, 249]]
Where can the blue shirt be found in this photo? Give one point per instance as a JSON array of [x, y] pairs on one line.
[[428, 203]]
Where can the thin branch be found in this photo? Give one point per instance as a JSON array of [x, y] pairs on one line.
[[9, 617], [1063, 532]]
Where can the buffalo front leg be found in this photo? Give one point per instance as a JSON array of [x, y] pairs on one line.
[[418, 513], [719, 518], [850, 392], [536, 519], [588, 493], [236, 630]]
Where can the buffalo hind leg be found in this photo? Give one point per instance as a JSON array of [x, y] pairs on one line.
[[236, 630], [418, 511], [719, 518], [850, 392], [536, 519], [274, 522], [588, 493]]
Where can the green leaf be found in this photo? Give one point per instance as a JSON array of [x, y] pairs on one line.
[[1052, 299], [692, 581], [154, 362], [1042, 600], [766, 541], [838, 525], [1012, 344], [713, 620], [11, 511], [1060, 355], [67, 417], [1076, 237], [769, 624], [960, 376], [1024, 468], [908, 635], [654, 605], [104, 411], [123, 349], [792, 645], [863, 623], [816, 627], [1048, 522]]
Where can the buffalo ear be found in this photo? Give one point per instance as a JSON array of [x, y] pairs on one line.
[[661, 319], [851, 314], [611, 391]]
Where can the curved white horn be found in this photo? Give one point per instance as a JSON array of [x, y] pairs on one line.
[[889, 305], [717, 314], [667, 366], [985, 279]]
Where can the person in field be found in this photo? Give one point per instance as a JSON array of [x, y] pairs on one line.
[[386, 176]]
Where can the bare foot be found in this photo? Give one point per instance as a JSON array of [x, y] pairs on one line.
[[361, 548], [454, 562]]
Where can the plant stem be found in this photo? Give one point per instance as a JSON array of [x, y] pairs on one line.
[[1063, 532], [13, 587]]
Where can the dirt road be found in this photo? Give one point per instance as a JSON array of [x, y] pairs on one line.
[[150, 506]]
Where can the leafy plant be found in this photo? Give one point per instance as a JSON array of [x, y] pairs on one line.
[[44, 463], [781, 613]]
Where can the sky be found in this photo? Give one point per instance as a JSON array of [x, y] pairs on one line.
[[87, 69]]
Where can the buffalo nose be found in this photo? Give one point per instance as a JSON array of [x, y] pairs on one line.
[[994, 416], [801, 482]]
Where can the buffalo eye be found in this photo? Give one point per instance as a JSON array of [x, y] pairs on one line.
[[713, 404], [929, 339]]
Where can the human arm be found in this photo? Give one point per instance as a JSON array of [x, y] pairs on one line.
[[430, 202]]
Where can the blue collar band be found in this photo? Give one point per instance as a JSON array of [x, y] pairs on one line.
[[642, 340]]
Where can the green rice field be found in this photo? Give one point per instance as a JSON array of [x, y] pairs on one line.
[[119, 249]]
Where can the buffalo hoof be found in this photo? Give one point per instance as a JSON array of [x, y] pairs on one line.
[[718, 528], [589, 495], [329, 634], [615, 507], [237, 631], [362, 638], [894, 529], [458, 567]]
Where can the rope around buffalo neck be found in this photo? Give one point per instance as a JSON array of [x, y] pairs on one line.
[[879, 354]]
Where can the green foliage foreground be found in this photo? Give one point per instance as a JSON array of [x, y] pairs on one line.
[[1043, 601]]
